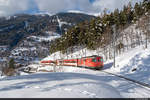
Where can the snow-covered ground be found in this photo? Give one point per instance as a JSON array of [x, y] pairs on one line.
[[57, 85], [72, 82], [51, 37]]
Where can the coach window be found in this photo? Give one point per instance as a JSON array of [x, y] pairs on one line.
[[94, 60]]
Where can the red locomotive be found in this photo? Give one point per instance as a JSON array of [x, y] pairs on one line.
[[95, 62]]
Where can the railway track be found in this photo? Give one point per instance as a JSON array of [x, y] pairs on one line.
[[128, 79]]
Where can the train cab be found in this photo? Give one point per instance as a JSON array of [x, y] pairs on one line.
[[91, 62]]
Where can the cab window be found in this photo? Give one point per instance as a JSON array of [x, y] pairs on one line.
[[101, 59]]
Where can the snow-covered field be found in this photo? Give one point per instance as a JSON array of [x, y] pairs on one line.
[[72, 82], [57, 85]]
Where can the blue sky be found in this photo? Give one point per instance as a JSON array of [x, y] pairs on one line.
[[9, 7], [91, 1]]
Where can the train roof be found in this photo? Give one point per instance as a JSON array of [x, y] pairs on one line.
[[91, 56]]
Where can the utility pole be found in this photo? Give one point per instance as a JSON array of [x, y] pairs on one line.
[[85, 48], [148, 25], [147, 28], [54, 67], [114, 45]]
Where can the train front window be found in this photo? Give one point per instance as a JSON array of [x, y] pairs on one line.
[[94, 60]]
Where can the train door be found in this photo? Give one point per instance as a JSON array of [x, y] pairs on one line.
[[80, 62], [84, 62]]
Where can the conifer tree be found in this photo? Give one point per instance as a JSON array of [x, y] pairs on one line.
[[123, 18], [116, 17], [12, 63]]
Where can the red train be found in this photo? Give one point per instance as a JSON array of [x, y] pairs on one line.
[[95, 62], [47, 62]]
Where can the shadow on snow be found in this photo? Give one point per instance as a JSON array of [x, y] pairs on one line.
[[41, 79]]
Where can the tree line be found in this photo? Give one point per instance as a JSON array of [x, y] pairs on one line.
[[98, 32]]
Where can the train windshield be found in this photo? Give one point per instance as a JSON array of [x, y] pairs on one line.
[[97, 60], [101, 59]]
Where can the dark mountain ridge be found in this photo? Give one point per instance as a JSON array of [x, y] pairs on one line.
[[14, 28]]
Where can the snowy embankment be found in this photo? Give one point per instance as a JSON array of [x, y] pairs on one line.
[[134, 64]]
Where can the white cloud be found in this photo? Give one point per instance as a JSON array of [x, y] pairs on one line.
[[8, 7], [3, 2], [54, 6], [112, 4]]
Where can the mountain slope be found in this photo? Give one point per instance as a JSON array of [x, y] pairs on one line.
[[15, 28]]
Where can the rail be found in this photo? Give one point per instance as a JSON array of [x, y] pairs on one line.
[[134, 81]]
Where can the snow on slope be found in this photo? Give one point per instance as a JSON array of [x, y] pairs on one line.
[[52, 36], [77, 11], [77, 54], [134, 64]]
